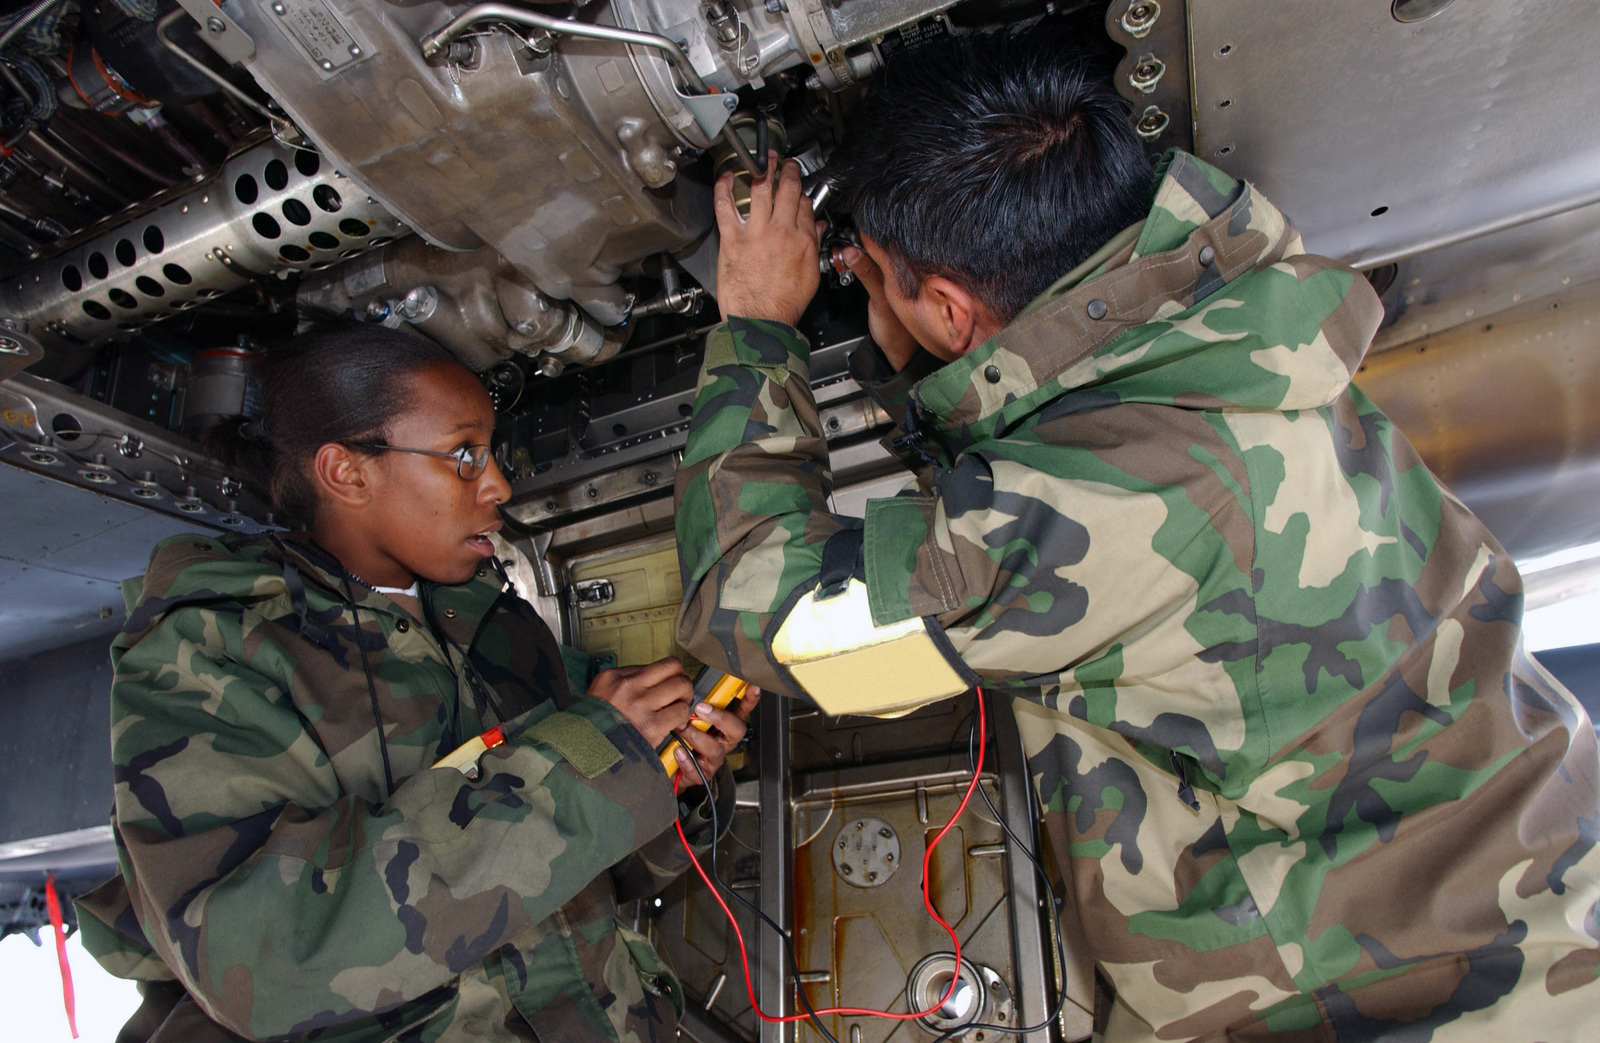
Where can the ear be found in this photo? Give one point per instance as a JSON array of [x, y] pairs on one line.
[[342, 477], [955, 316]]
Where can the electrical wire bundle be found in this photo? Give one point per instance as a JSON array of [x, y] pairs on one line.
[[976, 741]]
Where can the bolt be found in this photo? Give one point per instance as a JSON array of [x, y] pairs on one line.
[[216, 24], [1147, 73], [774, 6], [550, 506], [278, 9], [355, 50], [1140, 17], [1152, 122], [327, 66], [846, 869], [10, 346], [592, 493], [813, 82], [648, 478], [730, 102]]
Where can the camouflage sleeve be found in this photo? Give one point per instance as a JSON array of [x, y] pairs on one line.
[[286, 905], [753, 522], [663, 860], [752, 496]]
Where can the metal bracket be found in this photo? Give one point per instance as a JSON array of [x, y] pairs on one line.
[[226, 36], [710, 111]]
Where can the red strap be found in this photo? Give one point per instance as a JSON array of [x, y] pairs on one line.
[[53, 906]]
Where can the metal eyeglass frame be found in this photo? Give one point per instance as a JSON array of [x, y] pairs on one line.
[[461, 456]]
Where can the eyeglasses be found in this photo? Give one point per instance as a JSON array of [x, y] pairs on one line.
[[471, 460]]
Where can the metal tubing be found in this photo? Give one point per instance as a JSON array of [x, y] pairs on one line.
[[58, 153], [202, 68], [1031, 939], [121, 156], [777, 862], [26, 20], [434, 44]]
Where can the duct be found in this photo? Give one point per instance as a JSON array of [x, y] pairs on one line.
[[272, 210], [1503, 411], [475, 304]]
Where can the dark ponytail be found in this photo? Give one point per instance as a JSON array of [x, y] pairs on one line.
[[342, 385]]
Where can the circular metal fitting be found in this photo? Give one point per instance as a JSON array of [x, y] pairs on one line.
[[866, 852], [1140, 18], [1147, 73], [419, 304], [1152, 121], [980, 996]]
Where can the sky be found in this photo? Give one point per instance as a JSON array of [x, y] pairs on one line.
[[30, 994]]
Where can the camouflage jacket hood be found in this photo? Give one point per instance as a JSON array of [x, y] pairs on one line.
[[291, 860], [1295, 767], [1125, 332]]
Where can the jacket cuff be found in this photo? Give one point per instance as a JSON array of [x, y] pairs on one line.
[[761, 343], [871, 369]]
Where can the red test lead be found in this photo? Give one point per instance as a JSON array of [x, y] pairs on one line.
[[927, 902]]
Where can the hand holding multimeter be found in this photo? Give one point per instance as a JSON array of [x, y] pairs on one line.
[[716, 690]]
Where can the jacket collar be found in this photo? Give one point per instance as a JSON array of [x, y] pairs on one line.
[[1203, 231], [459, 610]]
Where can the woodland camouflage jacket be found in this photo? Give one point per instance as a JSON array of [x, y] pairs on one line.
[[1290, 754], [304, 878]]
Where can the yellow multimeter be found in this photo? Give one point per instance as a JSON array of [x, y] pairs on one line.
[[712, 687]]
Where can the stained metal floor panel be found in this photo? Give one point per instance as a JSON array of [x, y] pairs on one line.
[[64, 552]]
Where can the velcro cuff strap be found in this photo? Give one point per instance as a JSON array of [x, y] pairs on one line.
[[579, 742]]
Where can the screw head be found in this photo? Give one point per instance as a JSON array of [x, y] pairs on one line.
[[327, 66], [1152, 121], [216, 24], [278, 9], [355, 50]]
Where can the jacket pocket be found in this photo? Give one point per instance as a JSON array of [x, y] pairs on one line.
[[657, 978]]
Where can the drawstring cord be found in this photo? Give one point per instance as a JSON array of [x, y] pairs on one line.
[[372, 692], [323, 637]]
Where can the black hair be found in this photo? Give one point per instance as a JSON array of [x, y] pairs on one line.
[[342, 385], [1000, 160]]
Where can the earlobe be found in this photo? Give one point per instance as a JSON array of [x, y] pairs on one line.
[[341, 476], [963, 319], [957, 314]]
